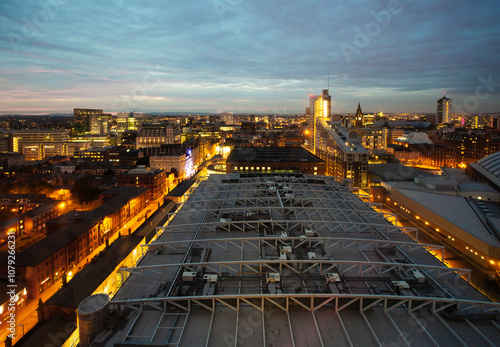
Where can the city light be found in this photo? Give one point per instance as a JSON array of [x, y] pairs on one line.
[[159, 160]]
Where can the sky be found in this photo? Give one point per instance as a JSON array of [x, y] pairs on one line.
[[250, 56]]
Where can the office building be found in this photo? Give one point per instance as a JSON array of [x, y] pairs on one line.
[[85, 121], [36, 136], [444, 110], [126, 121], [100, 124], [243, 264], [320, 107]]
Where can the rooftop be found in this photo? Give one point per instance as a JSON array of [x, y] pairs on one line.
[[341, 136], [271, 154], [455, 209], [135, 172], [395, 172], [268, 259]]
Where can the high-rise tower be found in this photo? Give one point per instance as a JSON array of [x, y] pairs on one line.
[[444, 110], [320, 107]]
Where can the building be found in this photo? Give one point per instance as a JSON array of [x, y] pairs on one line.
[[108, 154], [181, 165], [239, 264], [471, 145], [154, 180], [436, 155], [413, 138], [444, 110], [87, 121], [93, 140], [41, 150], [343, 153], [340, 149], [274, 159], [320, 107], [487, 170], [100, 124], [373, 139], [10, 160], [126, 121], [460, 212], [227, 118], [156, 135], [73, 237], [359, 117], [32, 137]]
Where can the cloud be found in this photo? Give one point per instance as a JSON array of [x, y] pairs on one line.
[[246, 55]]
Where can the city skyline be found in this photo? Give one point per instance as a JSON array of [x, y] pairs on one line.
[[248, 57]]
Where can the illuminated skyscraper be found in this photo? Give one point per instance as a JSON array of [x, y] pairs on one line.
[[444, 110], [320, 107]]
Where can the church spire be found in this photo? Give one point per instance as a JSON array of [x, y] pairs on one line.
[[359, 112], [359, 116]]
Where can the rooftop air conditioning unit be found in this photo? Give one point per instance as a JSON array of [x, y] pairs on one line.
[[332, 277], [418, 275], [188, 276], [309, 231], [400, 285], [210, 278], [272, 277]]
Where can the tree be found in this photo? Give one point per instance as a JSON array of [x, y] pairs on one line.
[[84, 190]]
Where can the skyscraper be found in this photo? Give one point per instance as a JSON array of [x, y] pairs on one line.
[[320, 107], [444, 110]]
